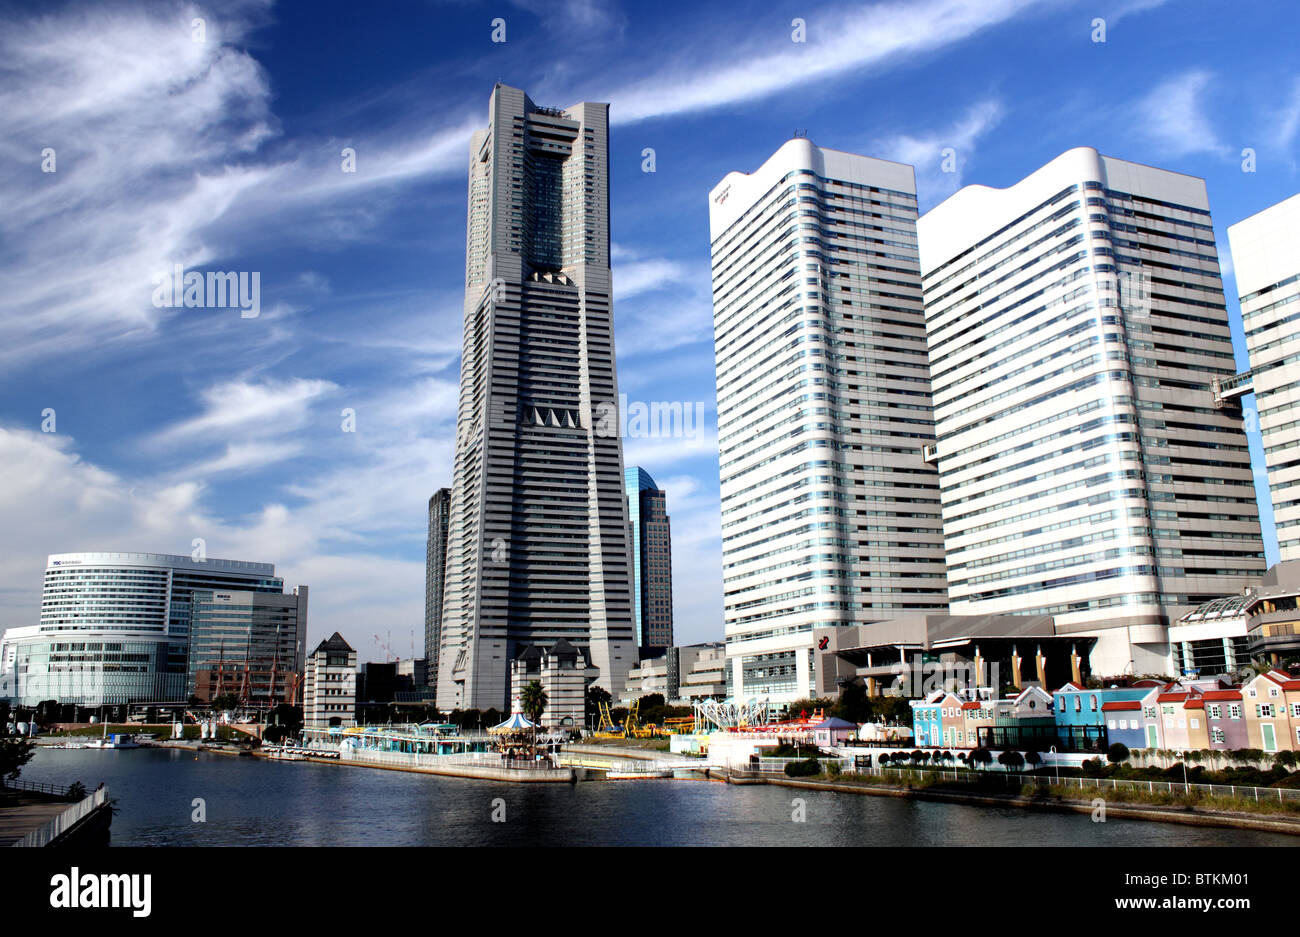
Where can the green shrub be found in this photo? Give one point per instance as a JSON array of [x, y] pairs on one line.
[[1117, 754], [803, 769]]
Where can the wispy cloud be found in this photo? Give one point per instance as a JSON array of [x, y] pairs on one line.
[[940, 173], [1172, 116], [164, 150], [839, 40], [250, 408]]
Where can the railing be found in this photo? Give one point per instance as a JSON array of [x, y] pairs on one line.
[[413, 759], [35, 787], [65, 821], [1281, 795], [777, 765]]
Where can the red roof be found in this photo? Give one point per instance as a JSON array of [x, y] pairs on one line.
[[1223, 694], [972, 704], [1194, 704], [1122, 704], [1171, 697]]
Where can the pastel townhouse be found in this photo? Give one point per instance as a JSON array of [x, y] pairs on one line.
[[1268, 712], [1081, 714], [1198, 732], [1152, 727], [927, 719], [1291, 693], [1124, 723], [976, 715], [952, 722], [1022, 721], [1175, 719], [1226, 720]]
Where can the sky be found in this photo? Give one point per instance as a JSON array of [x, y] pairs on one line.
[[136, 137]]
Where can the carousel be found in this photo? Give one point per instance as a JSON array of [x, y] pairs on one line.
[[514, 738]]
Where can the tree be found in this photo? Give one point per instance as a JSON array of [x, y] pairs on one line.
[[809, 706], [1118, 753], [1033, 759], [532, 700], [15, 752], [595, 696], [1011, 759], [980, 757], [225, 701]]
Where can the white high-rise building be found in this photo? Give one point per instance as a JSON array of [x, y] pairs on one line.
[[1077, 327], [1266, 264], [830, 515], [537, 543]]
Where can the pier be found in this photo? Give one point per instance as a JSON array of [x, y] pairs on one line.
[[35, 814]]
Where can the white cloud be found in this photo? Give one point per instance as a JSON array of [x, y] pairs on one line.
[[53, 502], [927, 151], [163, 154], [1172, 116], [245, 408], [839, 41]]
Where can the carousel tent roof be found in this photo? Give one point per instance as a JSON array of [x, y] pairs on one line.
[[516, 723]]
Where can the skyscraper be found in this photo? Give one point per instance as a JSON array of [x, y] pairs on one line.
[[1076, 326], [830, 515], [435, 576], [652, 562], [537, 537], [1266, 264]]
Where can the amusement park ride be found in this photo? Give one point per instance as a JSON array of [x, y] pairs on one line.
[[753, 715]]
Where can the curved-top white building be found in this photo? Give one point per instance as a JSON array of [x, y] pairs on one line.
[[1077, 324], [830, 515], [114, 627]]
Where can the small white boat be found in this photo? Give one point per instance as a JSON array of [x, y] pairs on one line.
[[638, 775], [113, 741], [280, 754]]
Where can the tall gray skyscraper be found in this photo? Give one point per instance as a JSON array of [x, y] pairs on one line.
[[830, 515], [537, 539], [652, 557], [435, 577]]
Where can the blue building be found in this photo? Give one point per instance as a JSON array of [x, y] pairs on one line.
[[1124, 723], [927, 718], [652, 567], [1082, 712]]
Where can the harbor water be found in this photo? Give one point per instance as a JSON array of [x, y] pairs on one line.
[[171, 797]]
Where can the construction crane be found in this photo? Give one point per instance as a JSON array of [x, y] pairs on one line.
[[384, 644]]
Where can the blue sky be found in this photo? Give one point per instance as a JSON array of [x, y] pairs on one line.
[[225, 154]]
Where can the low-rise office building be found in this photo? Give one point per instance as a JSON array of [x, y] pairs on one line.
[[115, 627], [330, 685], [247, 644], [563, 672]]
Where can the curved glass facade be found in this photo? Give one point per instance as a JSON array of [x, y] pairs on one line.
[[114, 627]]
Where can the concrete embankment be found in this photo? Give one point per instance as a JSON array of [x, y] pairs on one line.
[[1188, 816], [445, 766]]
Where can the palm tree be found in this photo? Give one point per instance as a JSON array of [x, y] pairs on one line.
[[532, 700]]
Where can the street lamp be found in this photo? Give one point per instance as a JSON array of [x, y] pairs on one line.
[[1056, 765]]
